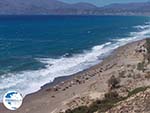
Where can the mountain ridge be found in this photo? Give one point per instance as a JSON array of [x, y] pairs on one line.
[[56, 7]]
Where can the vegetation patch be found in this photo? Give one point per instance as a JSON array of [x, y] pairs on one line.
[[137, 90], [113, 82], [99, 105], [147, 76], [148, 45], [81, 109], [110, 100], [140, 66], [148, 49]]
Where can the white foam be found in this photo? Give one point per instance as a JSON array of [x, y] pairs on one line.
[[30, 81], [144, 33], [141, 27]]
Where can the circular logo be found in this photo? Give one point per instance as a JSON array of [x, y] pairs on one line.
[[12, 100]]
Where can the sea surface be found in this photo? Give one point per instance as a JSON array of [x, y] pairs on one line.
[[36, 49]]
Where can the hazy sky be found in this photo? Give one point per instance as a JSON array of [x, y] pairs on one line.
[[103, 2]]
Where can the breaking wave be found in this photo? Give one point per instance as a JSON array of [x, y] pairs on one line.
[[30, 81]]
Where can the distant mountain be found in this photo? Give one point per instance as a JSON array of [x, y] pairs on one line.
[[83, 5], [42, 7], [142, 8], [56, 7], [129, 6]]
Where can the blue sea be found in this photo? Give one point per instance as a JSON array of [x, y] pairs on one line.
[[36, 49]]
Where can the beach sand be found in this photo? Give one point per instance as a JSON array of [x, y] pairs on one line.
[[89, 85]]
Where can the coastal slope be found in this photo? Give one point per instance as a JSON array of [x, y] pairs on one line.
[[119, 78]]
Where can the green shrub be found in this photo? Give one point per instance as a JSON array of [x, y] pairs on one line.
[[111, 95], [81, 109], [113, 82], [148, 45], [148, 49], [147, 75], [110, 100], [140, 66], [137, 90]]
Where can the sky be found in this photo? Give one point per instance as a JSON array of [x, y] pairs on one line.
[[103, 2]]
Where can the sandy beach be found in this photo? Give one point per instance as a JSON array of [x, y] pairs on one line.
[[89, 85]]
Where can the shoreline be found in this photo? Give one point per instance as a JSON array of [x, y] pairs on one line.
[[60, 81]]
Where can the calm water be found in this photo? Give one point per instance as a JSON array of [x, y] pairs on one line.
[[36, 49]]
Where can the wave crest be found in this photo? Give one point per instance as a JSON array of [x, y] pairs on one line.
[[30, 81]]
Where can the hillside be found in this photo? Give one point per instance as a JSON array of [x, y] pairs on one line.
[[138, 103]]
